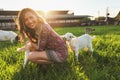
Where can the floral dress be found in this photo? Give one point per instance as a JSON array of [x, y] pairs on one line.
[[53, 44]]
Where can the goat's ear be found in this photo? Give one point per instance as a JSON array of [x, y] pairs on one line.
[[73, 36], [64, 38]]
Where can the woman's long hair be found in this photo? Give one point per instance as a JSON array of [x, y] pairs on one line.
[[26, 31]]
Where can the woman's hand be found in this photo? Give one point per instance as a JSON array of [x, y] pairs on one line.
[[33, 47]]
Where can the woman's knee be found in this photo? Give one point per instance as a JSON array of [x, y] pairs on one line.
[[30, 56], [37, 56]]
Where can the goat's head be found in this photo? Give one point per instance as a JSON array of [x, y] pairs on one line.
[[68, 36], [17, 39]]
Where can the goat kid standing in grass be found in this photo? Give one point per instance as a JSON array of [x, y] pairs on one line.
[[50, 46], [77, 43]]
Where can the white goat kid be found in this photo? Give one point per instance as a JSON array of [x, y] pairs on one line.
[[8, 36], [77, 43], [27, 48]]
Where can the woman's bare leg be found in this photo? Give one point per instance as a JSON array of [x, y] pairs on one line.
[[42, 61], [39, 57]]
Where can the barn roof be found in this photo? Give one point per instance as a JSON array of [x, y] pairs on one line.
[[58, 12], [15, 12], [8, 12], [118, 16], [62, 14], [67, 16]]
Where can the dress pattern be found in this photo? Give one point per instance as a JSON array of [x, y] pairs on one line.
[[50, 40]]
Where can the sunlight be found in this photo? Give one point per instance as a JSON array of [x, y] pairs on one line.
[[46, 12]]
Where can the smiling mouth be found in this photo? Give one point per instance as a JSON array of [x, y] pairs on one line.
[[32, 25]]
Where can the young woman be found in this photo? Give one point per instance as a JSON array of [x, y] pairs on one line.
[[50, 47]]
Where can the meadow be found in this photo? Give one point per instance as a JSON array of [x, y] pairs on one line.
[[102, 64]]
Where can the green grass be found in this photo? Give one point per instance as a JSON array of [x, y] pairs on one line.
[[102, 64]]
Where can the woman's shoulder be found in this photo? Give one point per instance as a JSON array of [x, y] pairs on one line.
[[47, 26]]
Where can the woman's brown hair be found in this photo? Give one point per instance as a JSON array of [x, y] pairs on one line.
[[24, 30]]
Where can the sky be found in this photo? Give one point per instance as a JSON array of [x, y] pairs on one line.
[[79, 7]]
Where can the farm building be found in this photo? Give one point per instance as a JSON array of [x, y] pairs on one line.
[[66, 18], [117, 19], [54, 18], [7, 19]]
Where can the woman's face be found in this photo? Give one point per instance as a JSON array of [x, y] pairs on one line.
[[30, 20]]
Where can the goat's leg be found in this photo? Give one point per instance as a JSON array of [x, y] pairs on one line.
[[91, 50], [11, 40], [76, 55], [90, 47], [26, 58]]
